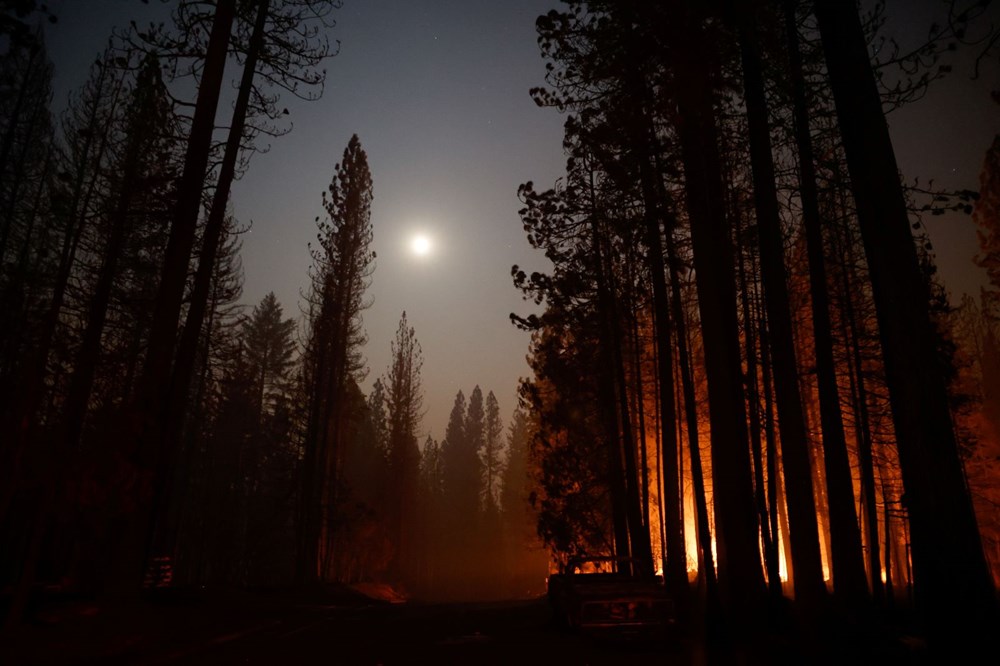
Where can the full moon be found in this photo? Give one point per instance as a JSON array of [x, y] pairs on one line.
[[420, 245]]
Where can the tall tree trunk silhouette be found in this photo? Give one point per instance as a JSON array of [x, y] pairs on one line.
[[707, 558], [82, 380], [776, 497], [846, 557], [143, 440], [180, 381], [957, 602], [34, 372], [741, 578], [862, 425], [606, 392], [642, 139], [771, 562], [808, 579]]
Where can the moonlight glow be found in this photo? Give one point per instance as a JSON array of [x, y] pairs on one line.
[[420, 245]]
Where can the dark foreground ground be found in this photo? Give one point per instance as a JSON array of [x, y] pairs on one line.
[[343, 627]]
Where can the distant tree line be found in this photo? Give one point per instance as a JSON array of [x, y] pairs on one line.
[[745, 368]]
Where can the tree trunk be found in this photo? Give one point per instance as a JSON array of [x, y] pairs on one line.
[[846, 558], [769, 539], [143, 437], [741, 578], [775, 488], [606, 398], [212, 239], [642, 139], [34, 372], [707, 559], [958, 603], [808, 581], [862, 427]]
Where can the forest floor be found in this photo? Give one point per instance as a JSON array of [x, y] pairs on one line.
[[345, 626], [162, 627]]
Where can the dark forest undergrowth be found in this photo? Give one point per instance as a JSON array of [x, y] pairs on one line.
[[166, 626]]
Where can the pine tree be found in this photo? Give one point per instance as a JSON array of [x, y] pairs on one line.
[[492, 466], [453, 448], [270, 348], [475, 438], [523, 556], [404, 402], [342, 266]]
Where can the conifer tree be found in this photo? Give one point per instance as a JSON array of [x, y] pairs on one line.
[[342, 267], [492, 445], [475, 436], [404, 403]]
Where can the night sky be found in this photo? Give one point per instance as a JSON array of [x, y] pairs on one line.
[[437, 91]]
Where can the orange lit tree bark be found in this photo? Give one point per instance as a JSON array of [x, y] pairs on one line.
[[843, 244], [776, 496], [957, 602]]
